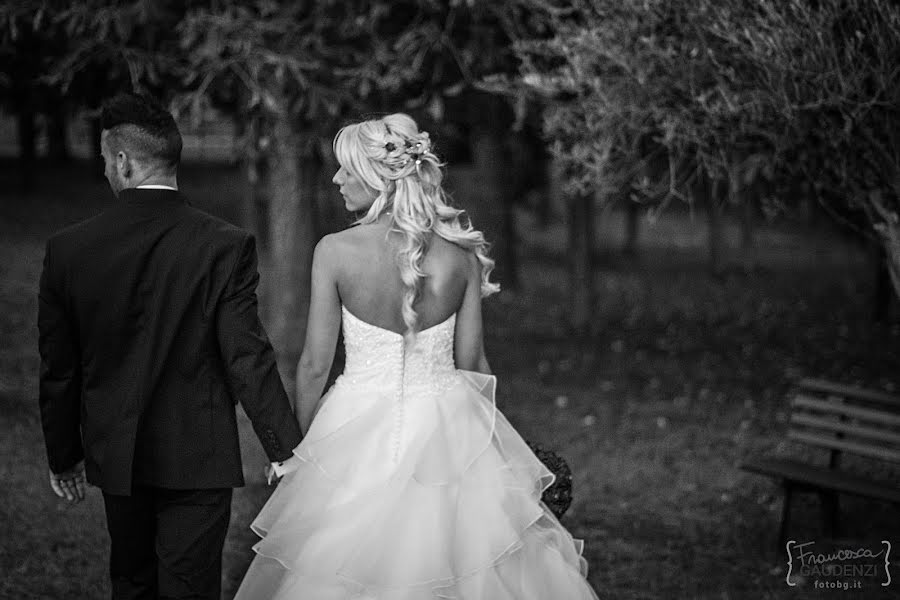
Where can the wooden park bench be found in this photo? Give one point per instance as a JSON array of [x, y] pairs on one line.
[[836, 420]]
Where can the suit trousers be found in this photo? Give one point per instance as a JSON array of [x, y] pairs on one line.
[[167, 544]]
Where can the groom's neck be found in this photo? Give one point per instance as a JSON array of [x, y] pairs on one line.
[[169, 179]]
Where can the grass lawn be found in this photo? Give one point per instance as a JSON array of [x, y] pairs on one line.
[[686, 374]]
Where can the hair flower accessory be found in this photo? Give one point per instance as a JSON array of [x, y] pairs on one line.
[[399, 152], [394, 151], [418, 146]]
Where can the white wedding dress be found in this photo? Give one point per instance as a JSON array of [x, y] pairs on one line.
[[412, 486]]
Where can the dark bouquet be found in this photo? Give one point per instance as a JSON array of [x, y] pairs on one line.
[[558, 496]]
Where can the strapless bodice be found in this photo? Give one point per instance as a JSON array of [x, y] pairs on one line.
[[378, 356]]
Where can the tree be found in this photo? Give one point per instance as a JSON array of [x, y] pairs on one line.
[[720, 101], [27, 41], [287, 72], [288, 69], [438, 55], [299, 68], [641, 100], [826, 71], [291, 70]]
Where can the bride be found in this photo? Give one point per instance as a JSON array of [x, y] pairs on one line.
[[409, 484]]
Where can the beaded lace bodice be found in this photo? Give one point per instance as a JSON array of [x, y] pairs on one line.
[[378, 356]]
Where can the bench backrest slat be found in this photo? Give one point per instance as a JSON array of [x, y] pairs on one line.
[[849, 391], [844, 418], [830, 424], [834, 443], [871, 415]]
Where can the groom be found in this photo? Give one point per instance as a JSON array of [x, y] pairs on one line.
[[149, 336]]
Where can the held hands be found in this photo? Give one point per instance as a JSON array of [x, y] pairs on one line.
[[275, 471], [270, 474], [70, 484]]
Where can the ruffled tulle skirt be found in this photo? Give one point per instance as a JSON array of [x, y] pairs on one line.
[[429, 495]]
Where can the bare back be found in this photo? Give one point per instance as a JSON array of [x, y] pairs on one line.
[[358, 268], [369, 284]]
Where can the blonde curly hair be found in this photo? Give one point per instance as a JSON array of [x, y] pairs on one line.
[[396, 160]]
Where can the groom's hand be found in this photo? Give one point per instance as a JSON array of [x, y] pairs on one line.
[[69, 484]]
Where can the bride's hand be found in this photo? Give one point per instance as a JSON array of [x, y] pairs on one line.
[[270, 474]]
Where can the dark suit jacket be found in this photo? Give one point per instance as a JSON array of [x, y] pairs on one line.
[[149, 335]]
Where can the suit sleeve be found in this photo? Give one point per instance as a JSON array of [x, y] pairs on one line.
[[60, 372], [250, 360]]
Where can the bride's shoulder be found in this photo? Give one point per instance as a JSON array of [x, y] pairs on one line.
[[330, 249], [448, 247], [340, 240], [457, 254], [450, 258], [338, 247]]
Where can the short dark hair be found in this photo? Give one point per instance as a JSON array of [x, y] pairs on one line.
[[140, 124]]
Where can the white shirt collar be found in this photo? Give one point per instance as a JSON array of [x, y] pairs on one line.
[[156, 187]]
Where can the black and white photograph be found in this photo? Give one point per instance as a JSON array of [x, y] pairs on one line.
[[449, 299]]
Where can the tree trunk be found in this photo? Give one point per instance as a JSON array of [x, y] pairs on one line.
[[27, 141], [884, 218], [253, 203], [21, 67], [748, 225], [96, 157], [881, 276], [632, 227], [748, 234], [311, 174], [581, 265], [289, 256], [892, 261], [738, 197], [510, 240], [491, 211], [332, 216], [57, 133], [887, 271], [255, 206], [710, 189]]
